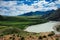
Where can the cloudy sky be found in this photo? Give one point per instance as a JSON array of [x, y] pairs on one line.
[[18, 7]]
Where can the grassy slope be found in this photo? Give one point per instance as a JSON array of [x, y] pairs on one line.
[[20, 22]]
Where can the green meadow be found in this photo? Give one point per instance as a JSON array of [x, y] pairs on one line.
[[9, 24]]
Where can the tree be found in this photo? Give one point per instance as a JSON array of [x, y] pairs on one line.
[[1, 18]]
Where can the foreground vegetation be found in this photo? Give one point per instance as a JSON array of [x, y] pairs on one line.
[[30, 36]]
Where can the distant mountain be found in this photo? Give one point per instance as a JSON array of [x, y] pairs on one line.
[[54, 16], [37, 13]]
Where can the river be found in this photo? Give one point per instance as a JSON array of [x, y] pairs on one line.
[[45, 27]]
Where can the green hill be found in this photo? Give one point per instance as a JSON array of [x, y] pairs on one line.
[[20, 22]]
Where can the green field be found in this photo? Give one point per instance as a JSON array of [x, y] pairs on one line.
[[18, 22]]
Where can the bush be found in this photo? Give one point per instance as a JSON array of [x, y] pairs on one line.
[[44, 36], [11, 30], [22, 38], [58, 28], [40, 37]]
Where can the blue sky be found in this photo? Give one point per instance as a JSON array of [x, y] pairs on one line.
[[18, 7]]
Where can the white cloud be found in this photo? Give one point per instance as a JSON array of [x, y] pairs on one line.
[[15, 9], [58, 2]]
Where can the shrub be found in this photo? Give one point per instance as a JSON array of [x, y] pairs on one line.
[[22, 38], [44, 36], [11, 30], [58, 28], [40, 37]]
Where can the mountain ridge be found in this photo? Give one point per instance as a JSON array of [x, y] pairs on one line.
[[37, 13], [55, 16]]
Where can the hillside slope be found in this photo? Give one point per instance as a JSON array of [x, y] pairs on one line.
[[54, 16]]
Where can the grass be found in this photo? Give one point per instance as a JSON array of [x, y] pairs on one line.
[[20, 22]]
